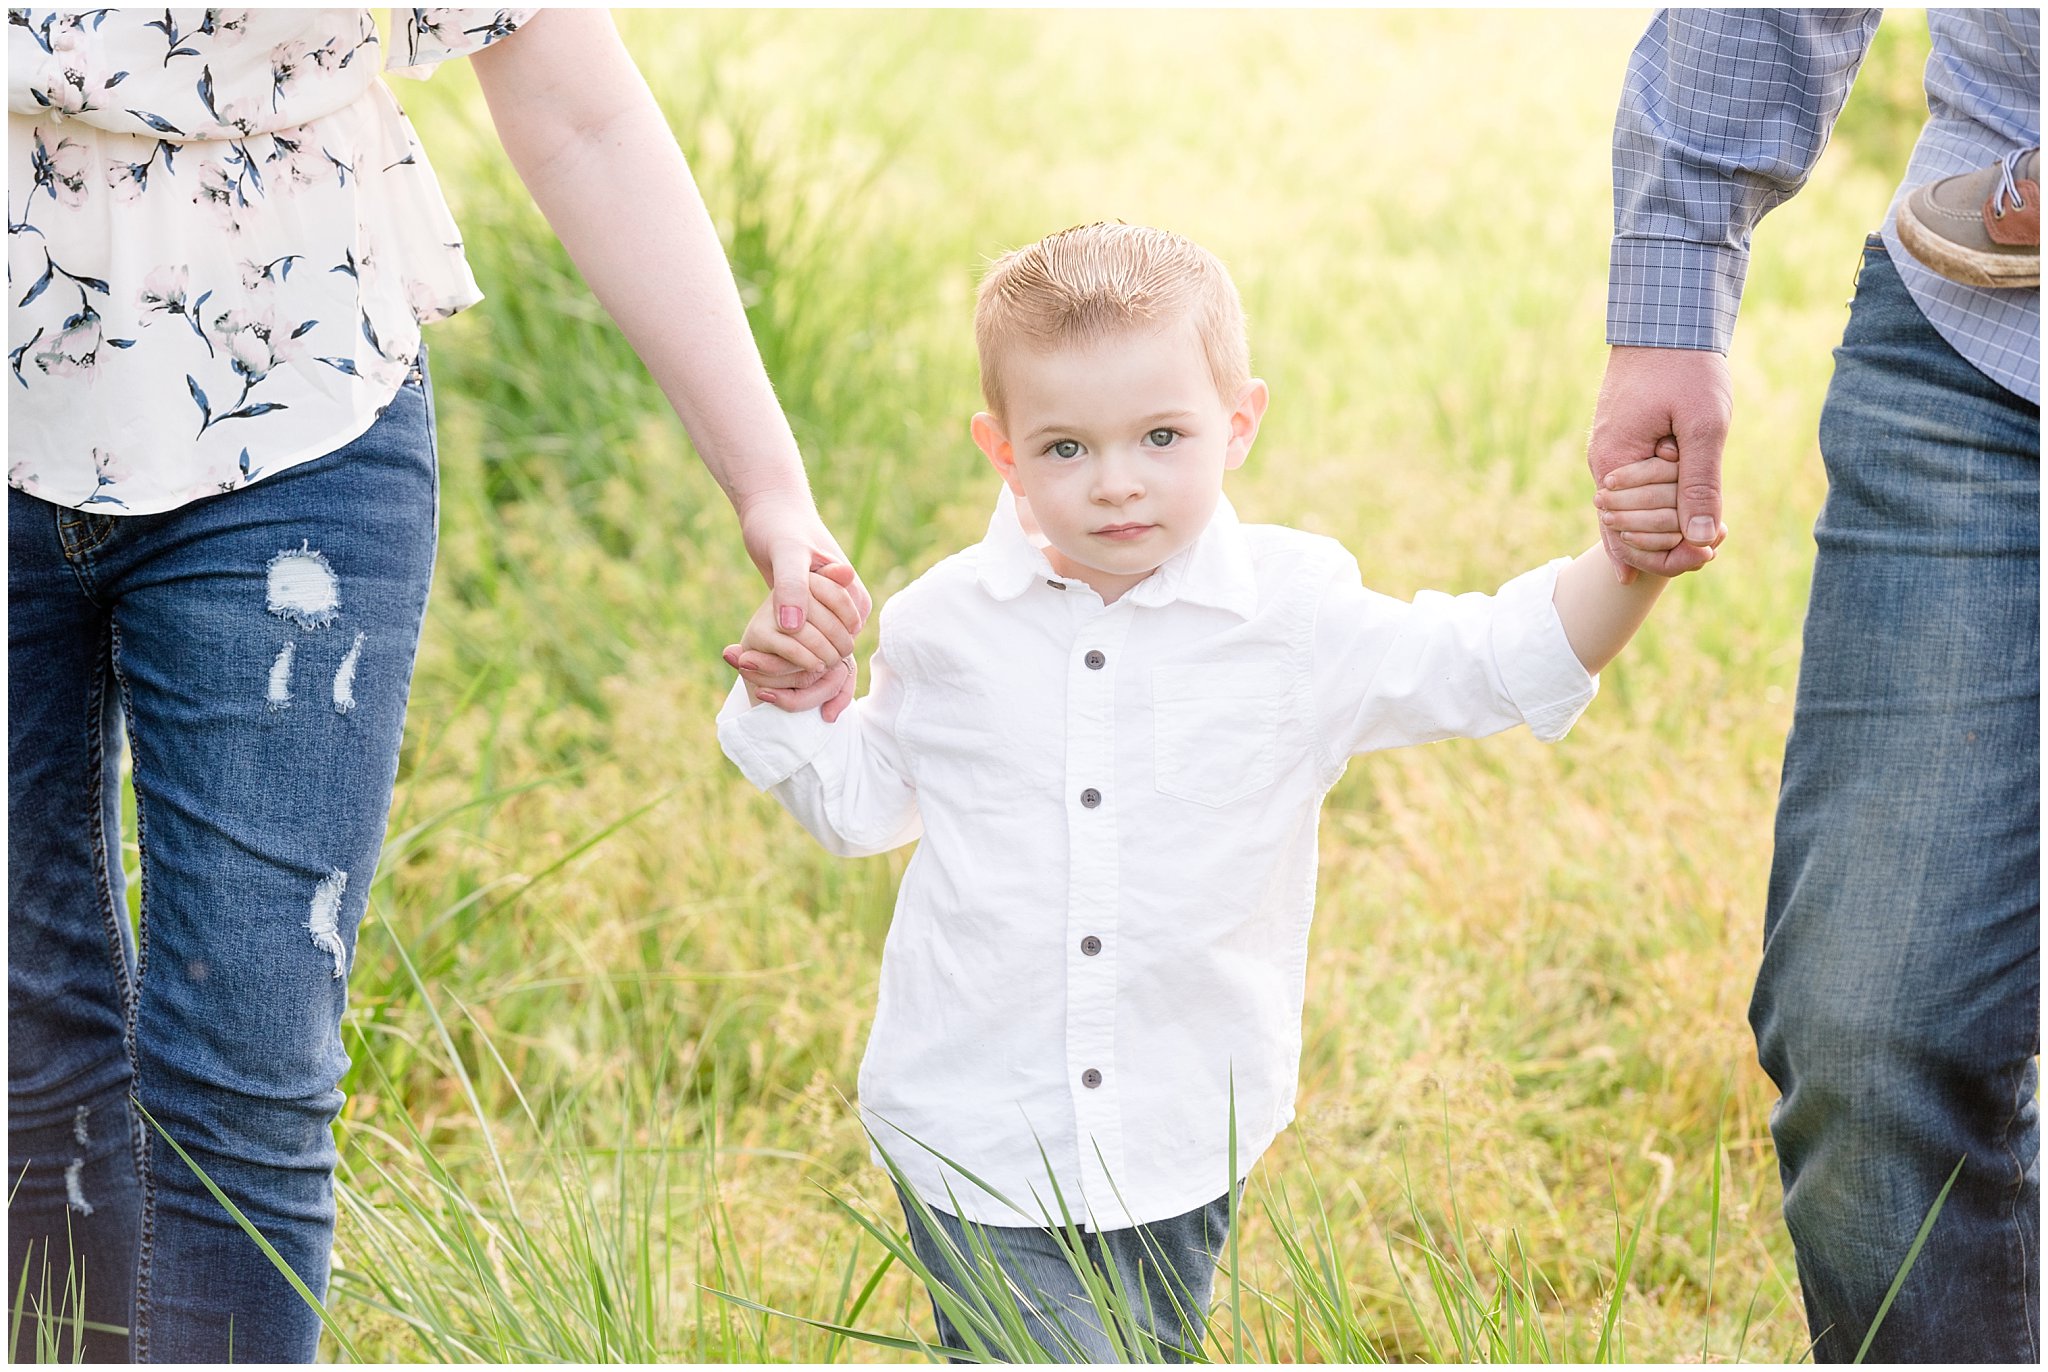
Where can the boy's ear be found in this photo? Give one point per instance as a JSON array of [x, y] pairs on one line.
[[988, 436], [1244, 422]]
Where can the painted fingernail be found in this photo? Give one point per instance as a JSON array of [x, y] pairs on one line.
[[1607, 516], [767, 695], [1700, 529], [732, 659], [790, 617]]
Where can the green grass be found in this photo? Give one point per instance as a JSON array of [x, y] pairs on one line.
[[609, 1002]]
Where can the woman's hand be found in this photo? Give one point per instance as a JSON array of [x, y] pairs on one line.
[[811, 665], [788, 543], [815, 609]]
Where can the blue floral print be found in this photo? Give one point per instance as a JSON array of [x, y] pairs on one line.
[[223, 238]]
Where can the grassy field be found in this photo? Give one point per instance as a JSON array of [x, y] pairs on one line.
[[609, 1002]]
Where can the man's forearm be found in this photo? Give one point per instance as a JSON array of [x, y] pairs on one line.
[[1723, 115], [1599, 614]]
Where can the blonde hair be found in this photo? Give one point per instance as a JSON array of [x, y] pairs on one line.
[[1097, 280]]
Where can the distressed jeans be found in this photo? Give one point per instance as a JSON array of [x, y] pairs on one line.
[[258, 646], [1898, 1003], [1167, 1268]]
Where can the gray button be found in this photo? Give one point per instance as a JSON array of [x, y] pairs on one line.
[[1091, 945], [1091, 797], [1056, 585], [1091, 1078], [1095, 659]]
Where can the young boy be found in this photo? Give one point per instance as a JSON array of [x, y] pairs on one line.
[[1112, 723]]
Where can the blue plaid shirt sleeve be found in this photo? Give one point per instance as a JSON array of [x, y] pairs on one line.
[[1723, 115]]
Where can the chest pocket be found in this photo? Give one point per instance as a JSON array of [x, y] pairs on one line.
[[1216, 730]]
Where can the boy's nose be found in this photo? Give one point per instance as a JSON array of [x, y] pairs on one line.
[[1116, 484]]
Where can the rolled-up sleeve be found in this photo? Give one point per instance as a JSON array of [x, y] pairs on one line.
[[1723, 115], [1388, 673], [846, 782]]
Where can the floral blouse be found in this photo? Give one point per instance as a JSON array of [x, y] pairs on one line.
[[222, 239]]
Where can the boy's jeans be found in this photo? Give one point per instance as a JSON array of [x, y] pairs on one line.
[[1168, 1268], [1898, 1003], [265, 745]]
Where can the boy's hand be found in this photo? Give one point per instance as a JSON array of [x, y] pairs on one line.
[[813, 665], [1638, 503], [1639, 511], [829, 691], [1648, 394]]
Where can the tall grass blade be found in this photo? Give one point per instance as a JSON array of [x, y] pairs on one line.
[[860, 1302], [1714, 1221], [1912, 1256], [1624, 1266], [1236, 1236], [20, 1300], [284, 1269]]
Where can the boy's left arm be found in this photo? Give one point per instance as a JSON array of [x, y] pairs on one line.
[[1386, 674], [1599, 614], [1639, 504]]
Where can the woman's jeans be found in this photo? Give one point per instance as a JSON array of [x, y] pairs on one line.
[[259, 647], [1167, 1269], [1898, 1004]]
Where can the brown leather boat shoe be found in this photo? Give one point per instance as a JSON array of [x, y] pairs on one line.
[[1982, 228]]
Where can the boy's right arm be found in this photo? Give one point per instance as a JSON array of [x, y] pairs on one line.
[[846, 780]]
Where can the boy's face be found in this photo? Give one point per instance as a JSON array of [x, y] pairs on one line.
[[1119, 446]]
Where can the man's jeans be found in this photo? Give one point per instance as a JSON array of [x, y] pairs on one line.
[[259, 646], [1898, 1004], [1167, 1269]]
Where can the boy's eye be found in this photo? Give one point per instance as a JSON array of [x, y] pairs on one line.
[[1066, 447], [1161, 438]]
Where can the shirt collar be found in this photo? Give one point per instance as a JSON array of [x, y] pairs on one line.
[[1215, 570]]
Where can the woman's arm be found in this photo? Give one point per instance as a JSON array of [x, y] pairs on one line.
[[585, 135]]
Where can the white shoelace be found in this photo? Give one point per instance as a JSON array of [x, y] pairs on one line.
[[2008, 186]]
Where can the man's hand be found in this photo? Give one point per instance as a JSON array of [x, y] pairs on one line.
[[811, 665], [1650, 395]]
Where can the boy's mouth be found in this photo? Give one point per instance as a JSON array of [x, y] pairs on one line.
[[1124, 532]]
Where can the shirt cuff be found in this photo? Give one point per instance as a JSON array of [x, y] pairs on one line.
[[1671, 293], [769, 745], [1544, 677]]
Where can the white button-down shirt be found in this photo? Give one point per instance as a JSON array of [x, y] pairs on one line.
[[1104, 931]]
